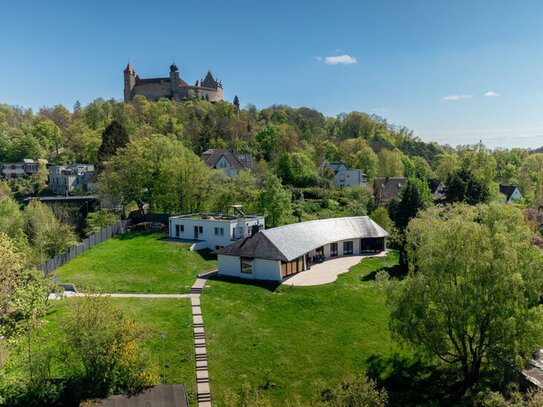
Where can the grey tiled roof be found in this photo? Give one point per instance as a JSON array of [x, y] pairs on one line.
[[387, 188], [291, 241]]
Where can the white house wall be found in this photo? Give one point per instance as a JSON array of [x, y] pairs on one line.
[[266, 269], [229, 266], [348, 178], [516, 194], [208, 239]]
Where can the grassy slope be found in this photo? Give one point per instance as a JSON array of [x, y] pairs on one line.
[[166, 316], [136, 263], [304, 339]]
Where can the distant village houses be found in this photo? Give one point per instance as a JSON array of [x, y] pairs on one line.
[[21, 169], [66, 178], [343, 176], [229, 163]]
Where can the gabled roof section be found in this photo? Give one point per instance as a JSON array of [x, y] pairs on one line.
[[507, 190], [257, 246], [212, 156], [434, 184], [209, 81], [388, 188], [286, 243], [336, 166]]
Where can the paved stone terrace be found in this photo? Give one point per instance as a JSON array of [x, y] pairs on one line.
[[328, 271]]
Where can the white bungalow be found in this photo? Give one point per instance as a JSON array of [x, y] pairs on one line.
[[276, 253], [213, 231]]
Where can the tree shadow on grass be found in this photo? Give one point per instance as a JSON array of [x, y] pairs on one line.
[[394, 272], [411, 381], [133, 234], [206, 254], [268, 285]]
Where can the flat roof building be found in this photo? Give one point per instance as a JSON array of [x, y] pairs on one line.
[[214, 231]]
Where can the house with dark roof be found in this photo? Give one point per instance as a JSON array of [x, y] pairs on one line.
[[343, 176], [437, 188], [274, 254], [387, 188], [224, 160], [511, 193]]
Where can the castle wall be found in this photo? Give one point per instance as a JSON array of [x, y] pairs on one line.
[[153, 91]]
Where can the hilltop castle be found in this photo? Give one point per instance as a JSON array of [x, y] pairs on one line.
[[173, 87]]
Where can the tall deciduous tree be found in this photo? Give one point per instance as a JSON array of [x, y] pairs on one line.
[[366, 160], [472, 296], [390, 163], [274, 199]]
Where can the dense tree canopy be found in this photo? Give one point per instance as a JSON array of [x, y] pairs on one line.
[[472, 297]]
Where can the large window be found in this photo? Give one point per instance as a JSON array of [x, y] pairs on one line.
[[246, 266], [333, 249], [219, 231], [347, 248]]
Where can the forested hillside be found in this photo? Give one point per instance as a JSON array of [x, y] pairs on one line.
[[148, 154]]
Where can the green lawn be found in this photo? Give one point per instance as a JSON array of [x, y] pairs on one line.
[[168, 316], [303, 339], [136, 262]]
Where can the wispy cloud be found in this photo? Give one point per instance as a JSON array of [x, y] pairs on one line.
[[456, 97], [318, 58], [491, 93], [340, 59], [338, 50], [381, 109]]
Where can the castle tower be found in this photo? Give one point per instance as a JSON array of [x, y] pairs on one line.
[[174, 81], [129, 82]]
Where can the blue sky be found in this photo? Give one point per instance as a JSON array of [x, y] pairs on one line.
[[425, 64]]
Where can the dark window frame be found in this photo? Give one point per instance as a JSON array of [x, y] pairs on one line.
[[346, 250]]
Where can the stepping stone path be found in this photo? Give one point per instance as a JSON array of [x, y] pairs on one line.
[[200, 351]]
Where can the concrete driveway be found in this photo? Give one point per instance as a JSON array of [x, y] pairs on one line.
[[327, 272]]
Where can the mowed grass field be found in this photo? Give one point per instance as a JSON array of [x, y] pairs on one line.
[[168, 316], [137, 262], [303, 339]]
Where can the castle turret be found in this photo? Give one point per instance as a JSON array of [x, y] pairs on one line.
[[174, 81], [129, 82]]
